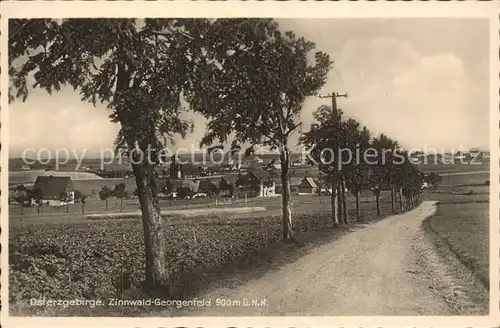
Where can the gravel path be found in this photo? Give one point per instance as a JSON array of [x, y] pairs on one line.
[[387, 268]]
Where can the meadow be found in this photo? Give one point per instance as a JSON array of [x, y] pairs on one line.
[[461, 223], [464, 229]]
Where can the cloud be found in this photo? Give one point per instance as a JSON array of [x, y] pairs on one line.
[[59, 121], [417, 99]]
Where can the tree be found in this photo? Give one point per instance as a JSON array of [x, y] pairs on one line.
[[185, 192], [139, 69], [358, 171], [435, 179], [407, 178], [168, 187], [120, 192], [323, 140], [37, 195], [66, 198], [80, 198], [244, 182], [227, 187], [104, 194], [376, 193], [213, 189], [21, 196], [269, 93], [384, 169]]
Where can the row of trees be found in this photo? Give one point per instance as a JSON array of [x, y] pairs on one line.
[[213, 188], [350, 158], [247, 76], [119, 191]]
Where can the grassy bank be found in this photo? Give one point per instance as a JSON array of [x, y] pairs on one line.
[[463, 228]]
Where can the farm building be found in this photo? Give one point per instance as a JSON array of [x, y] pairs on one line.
[[192, 185], [294, 185], [266, 180], [52, 188], [308, 186]]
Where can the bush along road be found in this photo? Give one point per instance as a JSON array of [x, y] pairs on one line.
[[388, 268]]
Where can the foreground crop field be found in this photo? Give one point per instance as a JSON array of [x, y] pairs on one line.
[[100, 261], [103, 259], [464, 228]]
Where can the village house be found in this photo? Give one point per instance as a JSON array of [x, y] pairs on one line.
[[52, 188], [266, 181], [294, 185], [308, 186]]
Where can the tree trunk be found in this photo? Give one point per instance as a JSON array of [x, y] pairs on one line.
[[153, 225], [377, 199], [121, 204], [106, 204], [393, 200], [340, 203], [333, 196], [401, 208], [344, 202], [358, 209], [286, 194], [83, 210]]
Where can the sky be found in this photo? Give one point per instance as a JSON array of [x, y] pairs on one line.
[[422, 81]]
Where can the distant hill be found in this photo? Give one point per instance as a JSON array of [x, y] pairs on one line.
[[16, 164], [27, 177]]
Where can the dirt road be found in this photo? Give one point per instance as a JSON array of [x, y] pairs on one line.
[[387, 268]]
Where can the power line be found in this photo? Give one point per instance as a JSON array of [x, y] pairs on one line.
[[340, 78]]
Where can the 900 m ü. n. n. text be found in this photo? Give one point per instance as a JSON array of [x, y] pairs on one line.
[[246, 302]]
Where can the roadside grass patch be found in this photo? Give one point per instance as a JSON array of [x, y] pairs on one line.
[[464, 229]]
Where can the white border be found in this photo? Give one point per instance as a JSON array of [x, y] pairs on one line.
[[382, 9]]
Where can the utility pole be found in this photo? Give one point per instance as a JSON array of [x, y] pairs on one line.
[[341, 210], [334, 96]]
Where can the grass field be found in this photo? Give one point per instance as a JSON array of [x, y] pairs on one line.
[[464, 228], [462, 221], [302, 204], [464, 179], [457, 167], [27, 177]]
